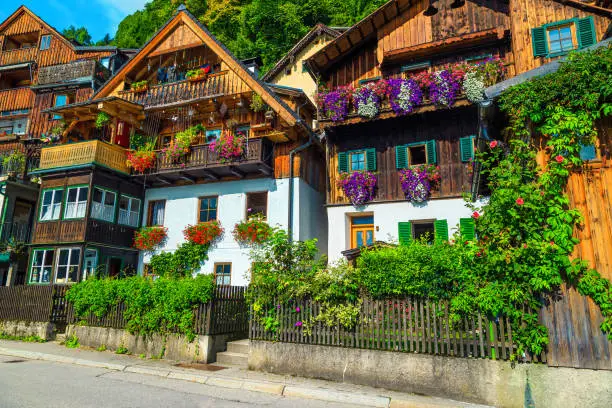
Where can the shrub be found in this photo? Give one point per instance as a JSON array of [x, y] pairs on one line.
[[149, 238], [72, 342], [203, 233], [151, 306], [185, 261]]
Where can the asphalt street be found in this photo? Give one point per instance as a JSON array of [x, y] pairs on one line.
[[34, 383]]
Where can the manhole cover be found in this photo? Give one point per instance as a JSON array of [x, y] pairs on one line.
[[200, 366], [14, 361]]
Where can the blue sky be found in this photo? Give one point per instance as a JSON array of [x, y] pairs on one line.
[[99, 16]]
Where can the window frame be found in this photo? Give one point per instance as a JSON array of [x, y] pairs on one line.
[[246, 202], [355, 228], [68, 265], [97, 259], [78, 187], [350, 160], [423, 222], [42, 201], [150, 204], [409, 70], [217, 132], [223, 264], [571, 24], [139, 212], [45, 42], [409, 153], [115, 202], [31, 266], [208, 209]]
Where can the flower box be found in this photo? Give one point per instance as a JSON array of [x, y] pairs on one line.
[[149, 238], [253, 231], [203, 233]]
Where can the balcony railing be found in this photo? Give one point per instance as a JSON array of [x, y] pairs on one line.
[[74, 70], [16, 99], [17, 56], [93, 151], [222, 83], [15, 232]]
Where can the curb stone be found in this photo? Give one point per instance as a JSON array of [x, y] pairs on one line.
[[336, 396], [148, 371], [175, 375]]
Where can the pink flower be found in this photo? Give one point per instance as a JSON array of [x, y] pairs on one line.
[[524, 246], [493, 144], [475, 214], [520, 201], [298, 324], [559, 158], [297, 309]]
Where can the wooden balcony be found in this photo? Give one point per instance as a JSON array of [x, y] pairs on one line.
[[89, 230], [16, 99], [77, 70], [184, 92], [91, 152], [201, 162], [17, 56]]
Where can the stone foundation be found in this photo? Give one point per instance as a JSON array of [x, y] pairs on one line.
[[44, 330]]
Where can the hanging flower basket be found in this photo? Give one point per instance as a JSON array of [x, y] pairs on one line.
[[198, 74], [367, 99], [203, 233], [149, 238], [419, 181], [140, 86], [141, 160], [254, 231], [335, 104], [359, 186], [404, 95], [229, 146], [444, 88]]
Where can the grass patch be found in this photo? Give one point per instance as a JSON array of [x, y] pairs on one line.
[[72, 342], [27, 339]]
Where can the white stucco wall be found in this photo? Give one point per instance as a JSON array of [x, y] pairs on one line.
[[386, 217], [182, 209]]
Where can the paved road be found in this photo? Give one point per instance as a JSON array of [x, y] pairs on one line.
[[43, 384]]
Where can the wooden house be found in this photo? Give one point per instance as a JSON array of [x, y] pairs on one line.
[[39, 68], [413, 40], [183, 79]]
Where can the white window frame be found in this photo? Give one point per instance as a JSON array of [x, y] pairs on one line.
[[42, 266], [55, 207], [77, 208], [45, 42], [99, 213], [68, 265], [129, 217]]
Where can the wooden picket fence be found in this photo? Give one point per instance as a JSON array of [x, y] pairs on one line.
[[226, 313], [33, 303], [403, 325]]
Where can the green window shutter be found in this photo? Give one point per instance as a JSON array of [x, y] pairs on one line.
[[371, 159], [539, 42], [467, 228], [404, 232], [441, 230], [431, 152], [585, 31], [342, 162], [401, 157], [466, 145]]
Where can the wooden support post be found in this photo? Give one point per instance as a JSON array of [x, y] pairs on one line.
[[113, 130]]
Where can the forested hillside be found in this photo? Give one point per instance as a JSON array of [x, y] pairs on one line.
[[265, 28]]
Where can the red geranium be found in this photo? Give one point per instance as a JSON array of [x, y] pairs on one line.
[[475, 214], [559, 158], [493, 144], [141, 160], [203, 233], [255, 230], [148, 238], [520, 201]]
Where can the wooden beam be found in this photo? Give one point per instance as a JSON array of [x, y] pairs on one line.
[[236, 172], [187, 177], [265, 170], [69, 128], [210, 175], [173, 49], [164, 180]]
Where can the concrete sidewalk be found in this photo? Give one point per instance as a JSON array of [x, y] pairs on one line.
[[228, 377]]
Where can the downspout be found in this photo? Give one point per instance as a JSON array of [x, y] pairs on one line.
[[483, 134]]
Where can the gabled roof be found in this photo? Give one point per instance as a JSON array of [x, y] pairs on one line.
[[183, 16], [317, 31]]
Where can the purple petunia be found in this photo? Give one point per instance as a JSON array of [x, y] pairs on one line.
[[404, 95], [444, 88], [335, 103], [415, 184], [359, 186]]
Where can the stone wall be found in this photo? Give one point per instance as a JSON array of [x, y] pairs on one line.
[[202, 349], [497, 383], [44, 330]]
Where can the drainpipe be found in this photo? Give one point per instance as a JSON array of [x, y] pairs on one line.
[[483, 134]]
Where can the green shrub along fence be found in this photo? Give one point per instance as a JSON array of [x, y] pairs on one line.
[[225, 313], [404, 325]]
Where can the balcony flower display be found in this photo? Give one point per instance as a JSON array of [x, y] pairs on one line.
[[140, 86], [198, 74], [254, 231], [141, 160], [418, 181], [181, 143], [404, 95], [229, 146], [203, 233], [444, 88], [149, 238], [358, 186], [335, 104], [367, 98]]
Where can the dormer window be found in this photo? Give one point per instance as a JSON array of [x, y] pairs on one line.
[[45, 42]]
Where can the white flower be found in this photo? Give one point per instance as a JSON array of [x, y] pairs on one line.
[[473, 87]]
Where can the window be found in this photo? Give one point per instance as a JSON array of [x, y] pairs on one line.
[[67, 268], [368, 80], [588, 152], [429, 230], [90, 263], [60, 100], [357, 160], [244, 130], [467, 147], [417, 155], [223, 273], [105, 62], [423, 230], [415, 69], [478, 59], [156, 213], [212, 135], [257, 204], [554, 39], [414, 154], [103, 205], [45, 42], [76, 202], [362, 231], [51, 205], [42, 265], [129, 211], [208, 209]]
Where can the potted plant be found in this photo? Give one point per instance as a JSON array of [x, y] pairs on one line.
[[140, 86], [142, 157], [418, 181], [229, 146], [14, 163], [258, 104], [404, 95], [149, 238], [102, 120], [181, 143], [358, 186], [198, 74], [203, 233], [254, 231]]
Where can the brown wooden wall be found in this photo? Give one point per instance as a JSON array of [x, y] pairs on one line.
[[527, 14], [308, 164], [446, 127]]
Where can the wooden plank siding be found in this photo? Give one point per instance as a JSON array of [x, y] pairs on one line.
[[16, 99], [446, 127]]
